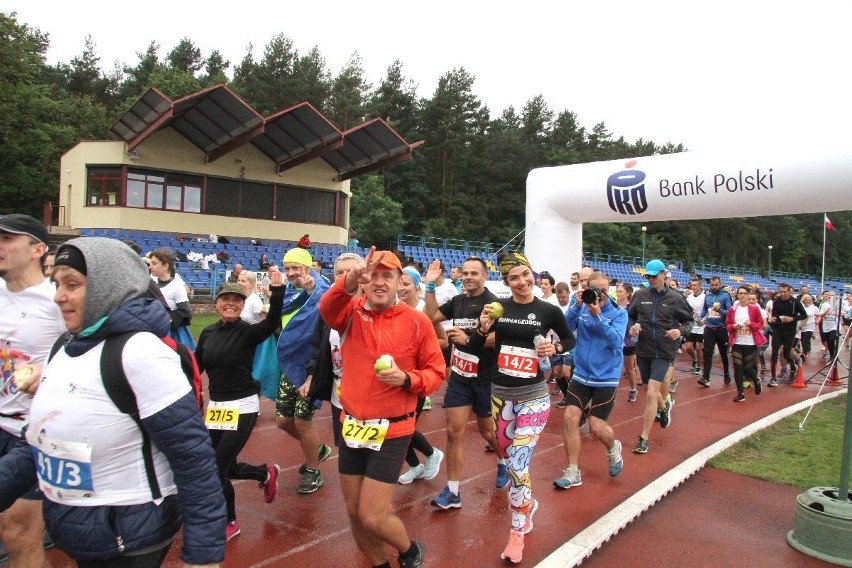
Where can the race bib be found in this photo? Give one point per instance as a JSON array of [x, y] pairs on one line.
[[369, 434], [464, 364], [517, 362], [222, 415], [64, 469]]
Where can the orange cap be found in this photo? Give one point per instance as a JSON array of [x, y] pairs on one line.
[[389, 260]]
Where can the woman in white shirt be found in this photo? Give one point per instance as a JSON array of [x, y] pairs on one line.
[[808, 325], [253, 308], [162, 267]]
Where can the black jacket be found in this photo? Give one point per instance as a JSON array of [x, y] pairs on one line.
[[319, 363], [657, 313]]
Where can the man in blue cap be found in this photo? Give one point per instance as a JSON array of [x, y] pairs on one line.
[[658, 317]]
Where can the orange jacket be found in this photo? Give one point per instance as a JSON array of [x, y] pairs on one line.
[[400, 331]]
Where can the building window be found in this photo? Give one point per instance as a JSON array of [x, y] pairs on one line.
[[164, 190], [302, 205], [103, 186]]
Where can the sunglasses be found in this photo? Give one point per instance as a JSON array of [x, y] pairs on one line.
[[652, 276]]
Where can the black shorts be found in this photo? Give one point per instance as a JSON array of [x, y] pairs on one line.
[[383, 465], [601, 399], [653, 369], [629, 350], [695, 338]]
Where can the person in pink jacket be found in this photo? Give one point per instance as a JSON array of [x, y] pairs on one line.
[[745, 333], [391, 356]]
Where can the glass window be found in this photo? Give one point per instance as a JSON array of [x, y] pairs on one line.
[[103, 186], [135, 190], [192, 199], [174, 197], [155, 195]]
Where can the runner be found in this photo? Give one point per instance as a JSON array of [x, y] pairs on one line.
[[520, 402], [469, 386], [379, 398]]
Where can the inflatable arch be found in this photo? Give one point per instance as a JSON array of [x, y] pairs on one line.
[[689, 185]]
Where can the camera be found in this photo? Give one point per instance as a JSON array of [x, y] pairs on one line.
[[591, 295]]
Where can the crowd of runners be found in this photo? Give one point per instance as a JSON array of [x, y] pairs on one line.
[[84, 442]]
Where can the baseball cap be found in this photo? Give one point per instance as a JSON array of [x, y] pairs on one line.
[[654, 267], [19, 224], [298, 256], [389, 260], [230, 288]]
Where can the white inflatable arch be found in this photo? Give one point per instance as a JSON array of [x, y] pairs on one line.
[[689, 185]]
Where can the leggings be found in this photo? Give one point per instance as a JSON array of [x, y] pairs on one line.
[[806, 341], [745, 364], [519, 425], [784, 343], [715, 337], [418, 440], [228, 444]]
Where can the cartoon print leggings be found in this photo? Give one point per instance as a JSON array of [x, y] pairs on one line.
[[519, 425]]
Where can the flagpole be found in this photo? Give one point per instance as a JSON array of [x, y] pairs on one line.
[[822, 275]]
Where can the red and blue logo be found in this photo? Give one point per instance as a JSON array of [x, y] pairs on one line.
[[625, 191]]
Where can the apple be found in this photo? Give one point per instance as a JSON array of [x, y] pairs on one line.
[[24, 377], [496, 310], [383, 363]]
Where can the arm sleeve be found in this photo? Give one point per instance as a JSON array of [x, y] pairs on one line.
[[799, 312], [613, 329], [178, 432], [181, 315], [566, 336], [336, 306], [431, 369], [316, 340]]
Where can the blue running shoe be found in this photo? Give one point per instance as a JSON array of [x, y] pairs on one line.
[[447, 500], [502, 481]]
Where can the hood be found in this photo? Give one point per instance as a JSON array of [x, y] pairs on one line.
[[114, 275]]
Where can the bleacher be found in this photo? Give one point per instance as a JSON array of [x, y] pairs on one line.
[[204, 277]]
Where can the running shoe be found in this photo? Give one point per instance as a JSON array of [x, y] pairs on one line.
[[666, 413], [772, 382], [514, 551], [704, 382], [783, 374], [270, 486], [447, 500], [311, 481], [427, 404], [528, 526], [641, 446], [673, 387], [613, 456], [739, 398], [432, 465], [502, 481], [415, 560], [413, 473], [323, 453], [697, 371], [757, 387], [727, 379], [570, 478], [632, 394], [232, 529]]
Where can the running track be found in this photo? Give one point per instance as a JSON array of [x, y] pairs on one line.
[[697, 524]]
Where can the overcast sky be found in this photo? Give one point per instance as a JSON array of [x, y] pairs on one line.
[[709, 75]]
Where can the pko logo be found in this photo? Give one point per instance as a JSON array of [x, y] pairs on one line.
[[625, 191]]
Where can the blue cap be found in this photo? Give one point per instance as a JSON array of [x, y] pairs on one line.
[[654, 267]]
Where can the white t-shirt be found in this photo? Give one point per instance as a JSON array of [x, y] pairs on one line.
[[175, 293], [443, 294], [551, 300], [72, 408], [336, 367], [810, 323], [697, 305], [30, 323], [251, 309], [743, 335], [829, 317]]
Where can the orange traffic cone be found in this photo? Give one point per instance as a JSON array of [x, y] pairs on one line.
[[833, 381], [799, 381]]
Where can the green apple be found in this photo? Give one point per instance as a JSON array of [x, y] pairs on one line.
[[496, 310], [383, 363], [23, 377]]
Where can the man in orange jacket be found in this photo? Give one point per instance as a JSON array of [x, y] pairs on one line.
[[391, 356]]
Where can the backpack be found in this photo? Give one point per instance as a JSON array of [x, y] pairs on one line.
[[119, 391]]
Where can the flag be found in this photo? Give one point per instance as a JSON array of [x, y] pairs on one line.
[[828, 224]]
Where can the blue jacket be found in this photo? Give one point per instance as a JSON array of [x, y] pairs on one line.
[[725, 304], [105, 532], [599, 353], [294, 343]]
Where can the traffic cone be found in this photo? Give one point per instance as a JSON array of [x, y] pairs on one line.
[[799, 381], [833, 381]]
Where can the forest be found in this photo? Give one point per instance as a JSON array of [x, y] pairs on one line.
[[474, 159]]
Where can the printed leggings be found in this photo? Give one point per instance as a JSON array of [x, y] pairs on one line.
[[519, 425]]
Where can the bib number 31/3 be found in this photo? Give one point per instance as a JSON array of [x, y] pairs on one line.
[[365, 434], [222, 416]]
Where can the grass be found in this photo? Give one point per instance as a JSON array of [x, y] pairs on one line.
[[200, 321], [784, 454]]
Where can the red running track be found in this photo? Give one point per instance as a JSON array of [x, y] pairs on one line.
[[713, 519]]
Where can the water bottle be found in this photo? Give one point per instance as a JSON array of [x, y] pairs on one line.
[[543, 360]]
